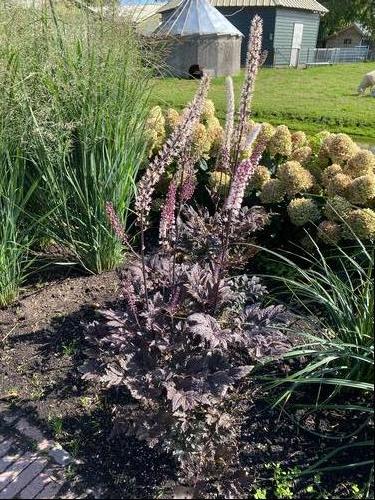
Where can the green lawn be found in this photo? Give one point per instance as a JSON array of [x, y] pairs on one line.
[[310, 99]]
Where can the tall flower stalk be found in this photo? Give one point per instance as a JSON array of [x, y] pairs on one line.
[[172, 150], [241, 171], [254, 61], [223, 162], [167, 217], [244, 172]]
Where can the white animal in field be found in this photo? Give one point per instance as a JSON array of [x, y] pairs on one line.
[[368, 82]]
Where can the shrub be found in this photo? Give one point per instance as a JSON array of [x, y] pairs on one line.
[[326, 168], [190, 330]]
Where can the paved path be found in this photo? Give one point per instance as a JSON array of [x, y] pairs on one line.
[[31, 466]]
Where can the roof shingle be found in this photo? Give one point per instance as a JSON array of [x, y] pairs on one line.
[[312, 5]]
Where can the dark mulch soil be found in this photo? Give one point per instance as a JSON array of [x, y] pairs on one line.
[[41, 340]]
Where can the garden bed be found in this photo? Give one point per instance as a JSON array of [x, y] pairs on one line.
[[184, 375], [42, 350]]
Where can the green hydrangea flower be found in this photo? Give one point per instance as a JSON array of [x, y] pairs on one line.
[[260, 176], [329, 173], [329, 232], [362, 223], [155, 129], [302, 155], [337, 208], [362, 189], [303, 210], [267, 131], [341, 148], [172, 119], [208, 110], [316, 141], [294, 177], [339, 185], [363, 163], [273, 191], [201, 142], [215, 135], [281, 142], [219, 181], [299, 139]]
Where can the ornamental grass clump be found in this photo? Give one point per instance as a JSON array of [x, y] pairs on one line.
[[77, 115], [17, 229], [334, 372], [191, 327]]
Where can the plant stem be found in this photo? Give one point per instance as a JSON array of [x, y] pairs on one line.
[[143, 262]]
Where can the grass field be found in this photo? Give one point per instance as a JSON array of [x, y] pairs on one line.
[[312, 99]]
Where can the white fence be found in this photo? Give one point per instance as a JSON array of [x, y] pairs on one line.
[[313, 57]]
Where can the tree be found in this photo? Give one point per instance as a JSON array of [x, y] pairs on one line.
[[344, 12]]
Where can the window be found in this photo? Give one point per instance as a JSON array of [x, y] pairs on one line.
[[347, 41]]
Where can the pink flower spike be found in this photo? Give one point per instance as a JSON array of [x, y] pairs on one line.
[[115, 222], [173, 148], [243, 174], [167, 218]]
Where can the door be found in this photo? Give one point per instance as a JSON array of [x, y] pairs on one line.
[[296, 44]]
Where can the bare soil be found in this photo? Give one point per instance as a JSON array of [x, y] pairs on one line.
[[41, 349]]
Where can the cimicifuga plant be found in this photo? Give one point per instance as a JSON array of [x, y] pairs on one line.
[[191, 326]]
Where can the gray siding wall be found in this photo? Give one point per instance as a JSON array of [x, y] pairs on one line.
[[241, 19], [284, 29]]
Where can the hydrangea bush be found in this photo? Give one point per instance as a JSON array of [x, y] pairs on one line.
[[324, 183], [191, 327]]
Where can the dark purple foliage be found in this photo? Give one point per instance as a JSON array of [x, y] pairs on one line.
[[191, 327]]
